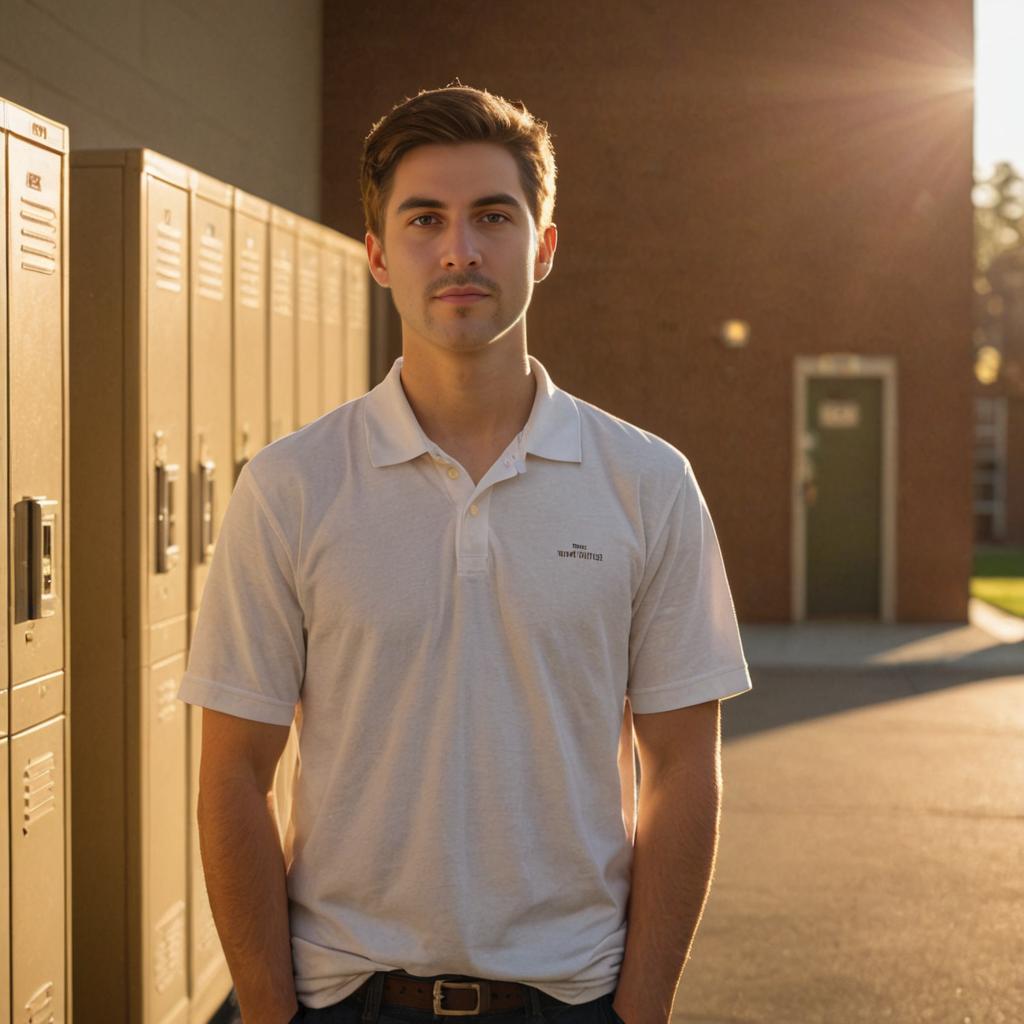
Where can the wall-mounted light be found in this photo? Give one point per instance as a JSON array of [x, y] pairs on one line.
[[988, 362], [734, 333]]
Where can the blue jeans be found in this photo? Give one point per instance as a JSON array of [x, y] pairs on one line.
[[597, 1011]]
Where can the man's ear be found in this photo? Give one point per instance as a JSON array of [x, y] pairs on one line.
[[377, 260], [546, 245]]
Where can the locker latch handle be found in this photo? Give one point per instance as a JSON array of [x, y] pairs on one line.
[[207, 495], [35, 535], [166, 523]]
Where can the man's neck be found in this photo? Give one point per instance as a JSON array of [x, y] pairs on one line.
[[469, 401]]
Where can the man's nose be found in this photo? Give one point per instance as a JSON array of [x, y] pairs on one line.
[[461, 249]]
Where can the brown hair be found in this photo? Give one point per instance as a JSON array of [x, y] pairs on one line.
[[457, 113]]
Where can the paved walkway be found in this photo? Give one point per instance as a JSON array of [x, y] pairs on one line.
[[871, 865]]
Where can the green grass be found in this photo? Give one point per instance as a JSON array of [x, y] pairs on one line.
[[998, 578]]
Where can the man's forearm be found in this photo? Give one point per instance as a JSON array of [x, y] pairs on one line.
[[673, 860], [245, 880]]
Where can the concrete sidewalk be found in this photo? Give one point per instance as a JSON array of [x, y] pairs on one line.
[[871, 865]]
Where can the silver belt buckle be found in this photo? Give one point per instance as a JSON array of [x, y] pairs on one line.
[[439, 995]]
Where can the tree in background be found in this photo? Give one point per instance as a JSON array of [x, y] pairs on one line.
[[999, 276]]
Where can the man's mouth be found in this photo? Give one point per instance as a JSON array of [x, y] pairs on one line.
[[461, 295]]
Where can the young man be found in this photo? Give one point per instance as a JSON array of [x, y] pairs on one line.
[[456, 583]]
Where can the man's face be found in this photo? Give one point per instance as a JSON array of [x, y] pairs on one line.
[[460, 250]]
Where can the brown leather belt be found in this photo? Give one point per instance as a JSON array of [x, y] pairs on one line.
[[456, 995]]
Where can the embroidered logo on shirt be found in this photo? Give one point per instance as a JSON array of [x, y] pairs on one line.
[[580, 552]]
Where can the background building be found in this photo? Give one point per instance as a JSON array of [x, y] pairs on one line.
[[808, 175]]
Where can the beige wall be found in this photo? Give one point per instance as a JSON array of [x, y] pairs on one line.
[[802, 166], [232, 89]]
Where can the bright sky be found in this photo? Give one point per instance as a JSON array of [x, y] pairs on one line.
[[999, 82]]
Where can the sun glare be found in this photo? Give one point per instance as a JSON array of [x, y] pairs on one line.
[[999, 83]]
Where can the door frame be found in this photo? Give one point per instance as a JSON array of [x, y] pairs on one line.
[[845, 365]]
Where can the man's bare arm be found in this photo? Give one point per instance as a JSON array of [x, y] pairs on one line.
[[243, 862], [673, 855]]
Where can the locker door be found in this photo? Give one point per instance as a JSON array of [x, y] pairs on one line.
[[308, 348], [37, 873], [213, 476], [249, 346], [35, 371], [165, 446], [332, 327], [357, 310], [283, 360], [164, 802], [210, 461]]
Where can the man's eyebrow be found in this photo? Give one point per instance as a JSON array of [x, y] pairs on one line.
[[419, 203], [498, 199], [425, 203]]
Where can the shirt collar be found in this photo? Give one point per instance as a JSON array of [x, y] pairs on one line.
[[394, 435]]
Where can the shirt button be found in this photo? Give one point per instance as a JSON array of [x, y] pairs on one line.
[[474, 510], [453, 472]]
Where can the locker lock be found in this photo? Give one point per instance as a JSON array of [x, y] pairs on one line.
[[35, 536], [166, 523]]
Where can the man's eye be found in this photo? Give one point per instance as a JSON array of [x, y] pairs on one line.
[[423, 218], [500, 217]]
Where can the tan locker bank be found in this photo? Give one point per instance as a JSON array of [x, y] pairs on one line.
[[281, 323], [131, 480], [34, 742]]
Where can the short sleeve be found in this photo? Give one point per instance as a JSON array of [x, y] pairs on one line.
[[247, 656], [684, 643]]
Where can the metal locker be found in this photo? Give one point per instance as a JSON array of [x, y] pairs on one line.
[[357, 320], [37, 873], [35, 548], [309, 397], [212, 471], [130, 214], [332, 325], [281, 323], [35, 315], [250, 346]]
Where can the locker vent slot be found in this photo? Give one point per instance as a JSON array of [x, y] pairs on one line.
[[168, 258], [169, 947], [250, 270], [166, 699], [38, 237], [283, 283], [211, 267], [40, 790], [39, 1008], [308, 292]]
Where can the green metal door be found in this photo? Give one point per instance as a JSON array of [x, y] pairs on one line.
[[842, 497]]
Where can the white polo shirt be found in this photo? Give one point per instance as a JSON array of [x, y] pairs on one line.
[[460, 655]]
